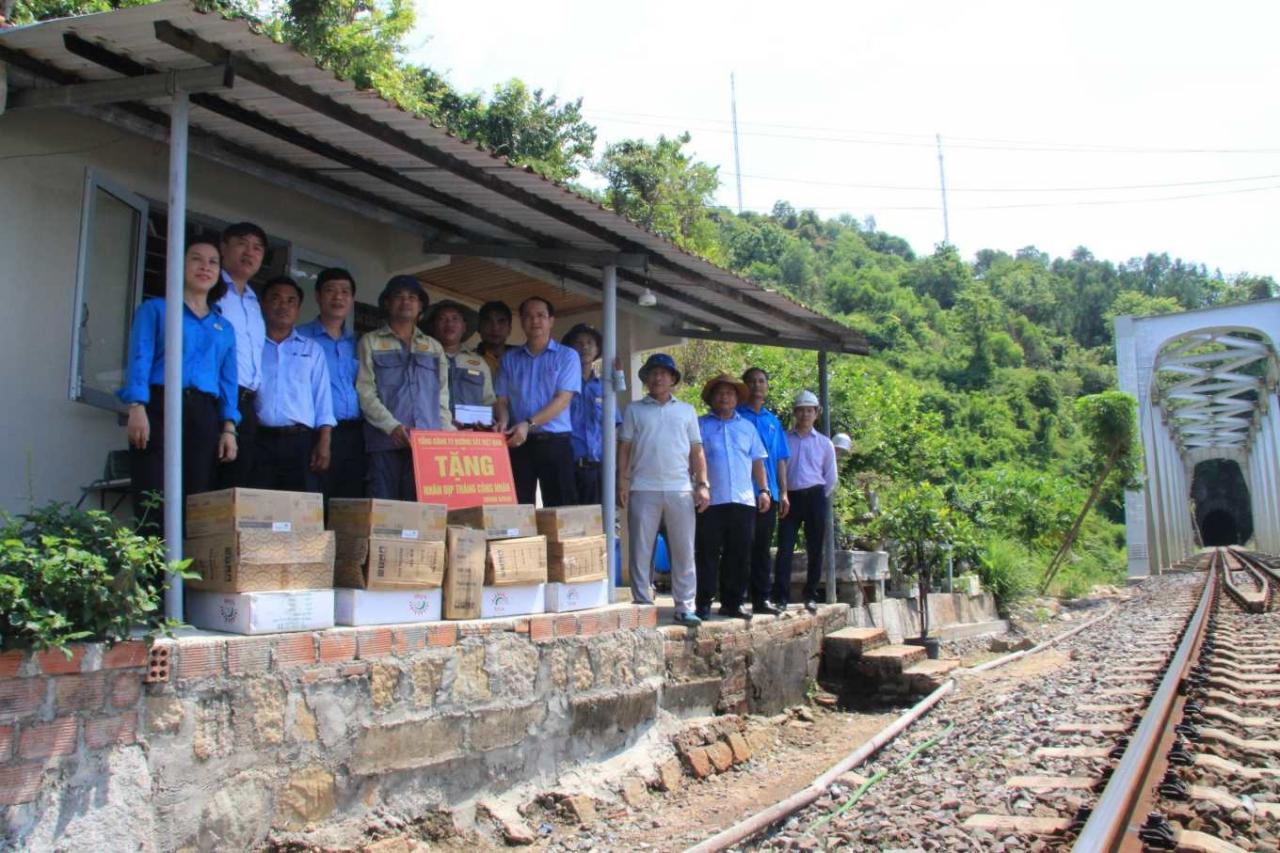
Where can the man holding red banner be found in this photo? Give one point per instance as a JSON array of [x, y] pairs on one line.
[[403, 384]]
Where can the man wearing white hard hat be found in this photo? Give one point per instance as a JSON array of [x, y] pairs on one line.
[[811, 478]]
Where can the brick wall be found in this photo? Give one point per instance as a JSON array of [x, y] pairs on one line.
[[59, 713]]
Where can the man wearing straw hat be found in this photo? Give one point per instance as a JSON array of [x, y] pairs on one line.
[[739, 490], [470, 383]]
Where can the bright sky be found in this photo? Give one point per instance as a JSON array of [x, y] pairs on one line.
[[1123, 126]]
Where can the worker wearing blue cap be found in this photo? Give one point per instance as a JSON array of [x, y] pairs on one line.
[[403, 384]]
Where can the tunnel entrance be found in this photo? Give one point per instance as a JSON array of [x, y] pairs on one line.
[[1221, 497]]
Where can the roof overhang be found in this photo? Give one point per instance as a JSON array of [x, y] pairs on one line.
[[268, 110]]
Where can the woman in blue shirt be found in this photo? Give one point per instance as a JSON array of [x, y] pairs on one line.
[[209, 386]]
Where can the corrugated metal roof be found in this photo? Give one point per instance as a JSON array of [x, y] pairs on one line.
[[403, 160]]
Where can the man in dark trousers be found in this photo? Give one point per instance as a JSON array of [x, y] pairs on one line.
[[811, 478], [739, 490], [774, 439], [294, 404], [244, 247], [403, 384], [536, 383], [336, 296], [587, 414]]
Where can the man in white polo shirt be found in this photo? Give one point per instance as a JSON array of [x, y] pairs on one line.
[[662, 479]]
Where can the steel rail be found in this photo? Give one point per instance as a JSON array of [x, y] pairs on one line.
[[1112, 819]]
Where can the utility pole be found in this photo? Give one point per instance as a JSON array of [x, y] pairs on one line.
[[942, 178], [737, 162]]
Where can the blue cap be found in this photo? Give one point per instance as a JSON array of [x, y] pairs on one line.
[[659, 359], [404, 282]]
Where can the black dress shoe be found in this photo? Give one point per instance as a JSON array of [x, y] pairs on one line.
[[703, 613], [811, 606], [734, 613], [765, 608]]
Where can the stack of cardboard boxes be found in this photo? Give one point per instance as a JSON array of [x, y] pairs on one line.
[[515, 566], [576, 564], [390, 561], [265, 561]]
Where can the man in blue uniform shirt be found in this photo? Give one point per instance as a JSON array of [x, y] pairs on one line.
[[774, 439], [739, 490], [244, 247], [587, 414], [536, 383], [336, 296], [295, 403]]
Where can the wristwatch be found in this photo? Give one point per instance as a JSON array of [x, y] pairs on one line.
[[703, 484]]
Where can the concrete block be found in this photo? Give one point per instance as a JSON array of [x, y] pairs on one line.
[[403, 746], [505, 726], [720, 755], [691, 698], [620, 712], [670, 775], [699, 762], [740, 747]]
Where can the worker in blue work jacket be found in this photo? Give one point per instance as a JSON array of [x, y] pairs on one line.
[[295, 402], [587, 414], [470, 383], [739, 490], [403, 384], [210, 396], [336, 297]]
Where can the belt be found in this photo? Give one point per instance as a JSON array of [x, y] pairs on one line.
[[351, 423], [246, 395], [547, 436], [289, 430], [584, 462]]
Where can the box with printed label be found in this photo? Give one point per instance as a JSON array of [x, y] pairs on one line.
[[577, 559], [498, 521], [231, 510], [464, 573], [516, 561], [518, 600], [261, 612], [570, 522], [259, 561], [374, 518], [385, 606], [562, 597], [388, 563]]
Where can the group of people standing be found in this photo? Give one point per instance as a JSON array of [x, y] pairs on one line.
[[269, 403], [718, 484]]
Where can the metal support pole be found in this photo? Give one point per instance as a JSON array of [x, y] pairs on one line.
[[175, 251], [829, 541], [609, 476]]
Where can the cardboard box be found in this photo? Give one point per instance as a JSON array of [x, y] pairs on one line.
[[231, 510], [516, 561], [261, 612], [498, 521], [498, 601], [570, 522], [562, 597], [577, 559], [260, 561], [397, 564], [373, 518], [464, 573], [385, 607]]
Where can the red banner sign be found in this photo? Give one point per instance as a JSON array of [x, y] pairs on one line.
[[461, 469]]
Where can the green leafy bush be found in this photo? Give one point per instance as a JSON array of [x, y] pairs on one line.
[[67, 576], [1008, 569]]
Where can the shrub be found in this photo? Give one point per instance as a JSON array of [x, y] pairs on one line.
[[67, 575], [1007, 569]]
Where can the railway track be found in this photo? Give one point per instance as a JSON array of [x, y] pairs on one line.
[[1161, 733]]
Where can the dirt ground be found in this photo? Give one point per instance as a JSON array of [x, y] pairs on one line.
[[800, 751]]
